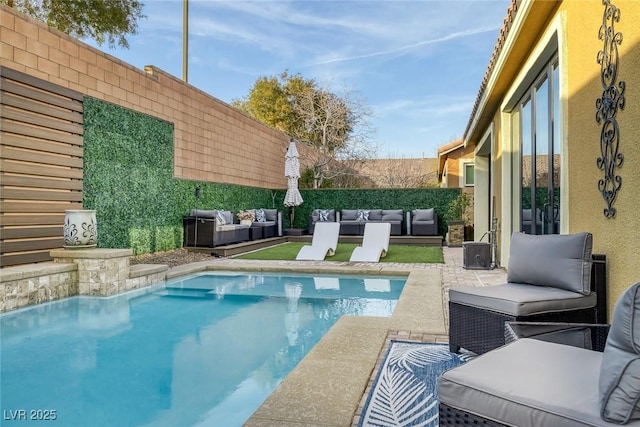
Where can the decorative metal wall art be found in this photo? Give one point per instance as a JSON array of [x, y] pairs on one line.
[[607, 107]]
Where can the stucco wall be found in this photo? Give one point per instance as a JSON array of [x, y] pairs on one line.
[[454, 171], [213, 142], [618, 238]]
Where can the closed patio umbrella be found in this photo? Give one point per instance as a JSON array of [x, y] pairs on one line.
[[292, 172]]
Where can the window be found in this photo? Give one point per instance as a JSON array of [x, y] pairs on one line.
[[468, 174]]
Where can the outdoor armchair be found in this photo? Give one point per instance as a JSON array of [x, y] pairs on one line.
[[534, 382], [375, 242], [424, 222], [549, 279], [323, 242]]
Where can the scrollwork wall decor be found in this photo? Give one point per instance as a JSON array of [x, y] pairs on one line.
[[607, 107]]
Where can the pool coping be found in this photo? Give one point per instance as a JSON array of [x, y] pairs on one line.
[[329, 385]]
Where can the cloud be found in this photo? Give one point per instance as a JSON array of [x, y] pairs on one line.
[[412, 46]]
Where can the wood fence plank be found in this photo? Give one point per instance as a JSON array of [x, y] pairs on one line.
[[40, 120], [43, 195], [31, 245], [18, 141], [25, 220], [42, 133], [36, 107], [39, 170], [31, 233], [10, 153], [45, 207], [9, 86], [40, 84], [7, 260], [37, 182]]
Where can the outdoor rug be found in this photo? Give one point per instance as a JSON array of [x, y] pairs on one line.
[[404, 391]]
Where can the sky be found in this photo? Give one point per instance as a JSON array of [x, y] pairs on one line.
[[417, 65]]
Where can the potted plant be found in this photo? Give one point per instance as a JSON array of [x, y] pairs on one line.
[[456, 218], [246, 217]]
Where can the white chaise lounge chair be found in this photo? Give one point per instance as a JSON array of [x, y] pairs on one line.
[[375, 242], [323, 243]]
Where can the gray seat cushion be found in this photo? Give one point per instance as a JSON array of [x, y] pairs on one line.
[[375, 215], [422, 214], [349, 215], [517, 299], [389, 215], [528, 383], [620, 369], [558, 260]]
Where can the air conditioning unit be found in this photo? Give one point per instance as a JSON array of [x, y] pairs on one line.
[[476, 255]]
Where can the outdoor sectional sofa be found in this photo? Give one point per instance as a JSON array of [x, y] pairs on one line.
[[204, 228], [352, 221]]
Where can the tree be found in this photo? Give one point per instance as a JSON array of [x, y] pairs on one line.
[[335, 127], [101, 20]]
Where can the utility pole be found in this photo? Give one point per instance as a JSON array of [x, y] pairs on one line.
[[185, 41]]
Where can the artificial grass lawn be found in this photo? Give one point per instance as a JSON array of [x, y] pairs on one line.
[[397, 253]]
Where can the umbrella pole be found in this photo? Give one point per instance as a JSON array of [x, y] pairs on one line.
[[292, 215]]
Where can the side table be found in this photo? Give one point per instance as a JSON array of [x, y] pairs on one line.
[[584, 335], [255, 232]]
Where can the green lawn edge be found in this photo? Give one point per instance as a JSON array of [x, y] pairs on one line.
[[396, 253]]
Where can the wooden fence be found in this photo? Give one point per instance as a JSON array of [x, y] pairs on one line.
[[40, 165]]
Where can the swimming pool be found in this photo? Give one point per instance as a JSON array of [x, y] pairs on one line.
[[203, 350]]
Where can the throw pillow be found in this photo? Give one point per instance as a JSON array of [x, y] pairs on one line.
[[220, 219], [362, 215], [324, 215], [261, 216], [620, 367]]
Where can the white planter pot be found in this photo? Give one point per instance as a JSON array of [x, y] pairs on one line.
[[80, 229], [246, 222]]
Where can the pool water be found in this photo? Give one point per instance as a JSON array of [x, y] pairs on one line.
[[200, 351]]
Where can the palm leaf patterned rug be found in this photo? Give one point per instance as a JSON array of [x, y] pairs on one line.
[[404, 391]]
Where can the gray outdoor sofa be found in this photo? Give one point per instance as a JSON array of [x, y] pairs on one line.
[[352, 221], [552, 381]]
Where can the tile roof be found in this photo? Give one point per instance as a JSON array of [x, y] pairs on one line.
[[508, 20]]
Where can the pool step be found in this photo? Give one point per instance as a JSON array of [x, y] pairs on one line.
[[185, 293]]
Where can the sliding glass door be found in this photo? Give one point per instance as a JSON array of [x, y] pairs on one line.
[[541, 153]]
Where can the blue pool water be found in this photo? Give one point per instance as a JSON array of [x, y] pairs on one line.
[[201, 351]]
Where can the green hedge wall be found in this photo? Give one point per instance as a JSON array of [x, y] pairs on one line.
[[128, 180]]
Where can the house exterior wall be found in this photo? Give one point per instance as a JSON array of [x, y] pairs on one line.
[[571, 28], [455, 159], [616, 237], [213, 141]]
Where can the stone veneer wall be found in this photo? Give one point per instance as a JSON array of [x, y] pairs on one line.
[[31, 284], [208, 131], [95, 272]]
